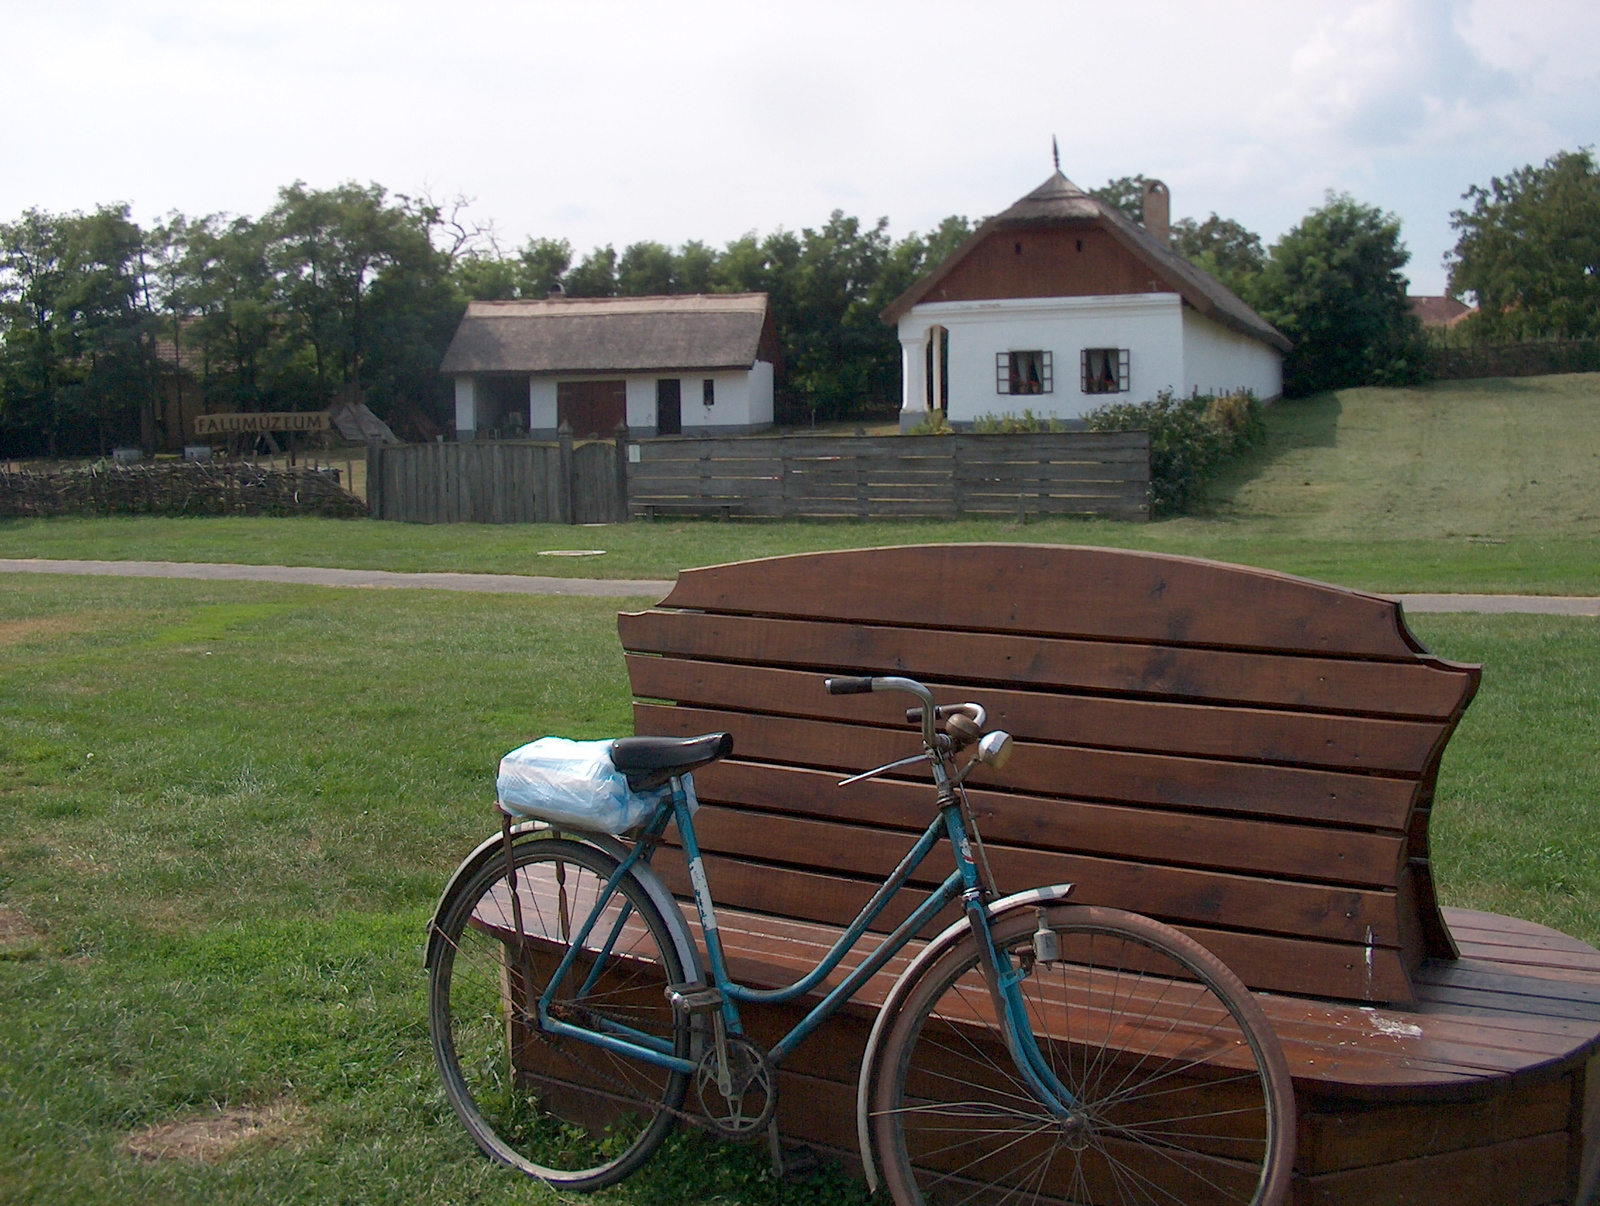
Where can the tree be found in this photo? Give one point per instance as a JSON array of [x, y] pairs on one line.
[[647, 269], [334, 251], [1333, 285], [696, 264], [1124, 194], [1223, 248], [541, 264], [596, 276], [75, 358], [1529, 250], [230, 291], [484, 274]]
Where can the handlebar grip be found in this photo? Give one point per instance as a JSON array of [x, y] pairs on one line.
[[849, 686]]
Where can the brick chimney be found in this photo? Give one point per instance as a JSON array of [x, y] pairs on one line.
[[1158, 211]]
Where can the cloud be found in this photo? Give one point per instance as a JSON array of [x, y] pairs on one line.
[[1391, 75], [614, 120]]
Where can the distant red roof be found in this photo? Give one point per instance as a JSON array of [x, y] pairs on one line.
[[188, 358], [1439, 311]]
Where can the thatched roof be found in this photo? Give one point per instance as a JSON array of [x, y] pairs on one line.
[[1059, 201], [611, 334]]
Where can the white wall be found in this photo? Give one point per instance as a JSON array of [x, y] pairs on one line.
[[743, 400], [1219, 361], [541, 405], [1149, 325], [466, 406], [761, 394], [641, 403], [1171, 346]]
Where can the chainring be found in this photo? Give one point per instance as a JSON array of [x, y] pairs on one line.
[[747, 1109]]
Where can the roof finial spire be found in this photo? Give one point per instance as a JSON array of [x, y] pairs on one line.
[[1055, 152]]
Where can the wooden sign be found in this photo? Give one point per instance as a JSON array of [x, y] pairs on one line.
[[285, 420]]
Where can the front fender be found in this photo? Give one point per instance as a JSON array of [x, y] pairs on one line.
[[1006, 905], [688, 952]]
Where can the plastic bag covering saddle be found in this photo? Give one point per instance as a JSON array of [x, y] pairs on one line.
[[575, 783]]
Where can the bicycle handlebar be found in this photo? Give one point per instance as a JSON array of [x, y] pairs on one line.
[[860, 686]]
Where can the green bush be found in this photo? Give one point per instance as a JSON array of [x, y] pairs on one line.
[[933, 423], [1189, 438], [1009, 424]]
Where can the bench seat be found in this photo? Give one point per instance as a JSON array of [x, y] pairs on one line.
[[1248, 756]]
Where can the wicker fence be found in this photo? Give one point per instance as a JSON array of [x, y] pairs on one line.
[[180, 488]]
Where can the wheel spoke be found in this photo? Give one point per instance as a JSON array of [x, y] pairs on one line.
[[1174, 1102], [567, 1111]]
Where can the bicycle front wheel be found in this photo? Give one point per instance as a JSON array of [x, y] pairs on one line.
[[558, 1108], [1179, 1090]]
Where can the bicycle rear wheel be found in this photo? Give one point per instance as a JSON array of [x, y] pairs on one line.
[[1182, 1091], [559, 1109]]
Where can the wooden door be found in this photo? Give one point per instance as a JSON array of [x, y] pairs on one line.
[[593, 409], [669, 406]]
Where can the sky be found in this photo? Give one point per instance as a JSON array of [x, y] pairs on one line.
[[610, 122]]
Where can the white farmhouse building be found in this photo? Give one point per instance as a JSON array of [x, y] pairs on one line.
[[694, 364], [1060, 304]]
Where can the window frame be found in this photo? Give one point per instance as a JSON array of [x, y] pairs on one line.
[[1097, 387], [708, 391], [1008, 371]]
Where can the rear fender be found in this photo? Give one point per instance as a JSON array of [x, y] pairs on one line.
[[491, 848], [1004, 907]]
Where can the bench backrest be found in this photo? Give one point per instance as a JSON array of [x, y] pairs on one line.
[[1244, 754]]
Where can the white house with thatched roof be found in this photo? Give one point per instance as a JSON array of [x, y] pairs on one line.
[[1061, 304], [693, 364]]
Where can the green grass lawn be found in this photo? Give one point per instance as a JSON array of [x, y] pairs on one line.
[[228, 808], [1459, 486]]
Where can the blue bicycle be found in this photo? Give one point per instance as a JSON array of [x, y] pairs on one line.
[[1036, 1050]]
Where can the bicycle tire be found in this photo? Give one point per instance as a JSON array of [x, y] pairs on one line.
[[1191, 1103], [556, 1108]]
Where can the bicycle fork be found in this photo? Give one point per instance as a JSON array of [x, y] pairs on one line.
[[1004, 980]]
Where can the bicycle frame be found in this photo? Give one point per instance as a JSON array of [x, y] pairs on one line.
[[964, 883]]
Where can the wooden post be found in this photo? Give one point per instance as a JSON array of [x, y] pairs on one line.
[[568, 513], [374, 479], [958, 498], [622, 473]]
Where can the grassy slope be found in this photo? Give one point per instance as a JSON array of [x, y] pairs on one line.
[[1487, 485], [228, 808]]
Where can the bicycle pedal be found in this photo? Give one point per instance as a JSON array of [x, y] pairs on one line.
[[695, 998]]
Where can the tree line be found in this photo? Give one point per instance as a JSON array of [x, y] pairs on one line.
[[355, 292]]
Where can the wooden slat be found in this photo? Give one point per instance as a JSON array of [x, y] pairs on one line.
[[1333, 1140], [1518, 1172], [1245, 789], [1193, 895], [1332, 684], [1309, 852], [1079, 592], [1293, 738]]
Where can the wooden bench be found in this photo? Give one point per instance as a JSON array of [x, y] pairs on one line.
[[1246, 755], [686, 509]]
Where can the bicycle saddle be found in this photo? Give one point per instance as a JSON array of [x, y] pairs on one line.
[[651, 761]]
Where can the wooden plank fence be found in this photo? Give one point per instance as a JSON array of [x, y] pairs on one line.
[[505, 481], [1053, 473], [496, 481]]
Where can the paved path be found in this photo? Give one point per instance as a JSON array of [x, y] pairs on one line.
[[516, 584], [501, 584], [1539, 605]]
